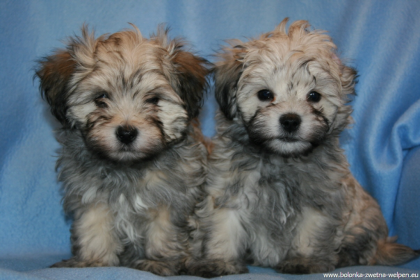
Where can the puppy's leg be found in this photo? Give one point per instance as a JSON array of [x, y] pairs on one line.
[[366, 238], [305, 265], [314, 248], [165, 246], [94, 242], [224, 244]]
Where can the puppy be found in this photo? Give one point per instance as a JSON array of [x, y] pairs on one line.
[[280, 192], [130, 163]]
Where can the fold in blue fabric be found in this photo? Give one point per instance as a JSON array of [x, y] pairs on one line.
[[381, 39]]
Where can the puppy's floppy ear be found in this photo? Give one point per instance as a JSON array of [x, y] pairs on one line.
[[348, 79], [186, 72], [54, 73], [226, 75], [191, 72], [348, 76]]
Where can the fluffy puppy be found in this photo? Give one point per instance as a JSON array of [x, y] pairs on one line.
[[280, 192], [130, 163]]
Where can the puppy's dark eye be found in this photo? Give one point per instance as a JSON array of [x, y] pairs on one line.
[[99, 99], [265, 95], [153, 100], [313, 96]]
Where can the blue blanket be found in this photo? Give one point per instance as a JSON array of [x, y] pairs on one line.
[[379, 38]]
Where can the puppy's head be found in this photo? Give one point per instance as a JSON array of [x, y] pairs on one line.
[[129, 96], [288, 89]]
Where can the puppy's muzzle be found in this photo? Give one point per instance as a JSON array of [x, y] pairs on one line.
[[126, 134], [290, 122]]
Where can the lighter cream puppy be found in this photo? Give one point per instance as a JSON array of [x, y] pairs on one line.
[[280, 192]]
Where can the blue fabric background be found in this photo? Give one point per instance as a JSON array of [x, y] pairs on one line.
[[380, 38]]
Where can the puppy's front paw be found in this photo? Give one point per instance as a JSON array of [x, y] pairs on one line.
[[163, 268], [74, 262], [214, 268], [299, 266]]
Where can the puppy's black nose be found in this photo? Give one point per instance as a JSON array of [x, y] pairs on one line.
[[126, 134], [290, 122]]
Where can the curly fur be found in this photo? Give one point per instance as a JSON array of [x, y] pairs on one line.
[[130, 163], [278, 195]]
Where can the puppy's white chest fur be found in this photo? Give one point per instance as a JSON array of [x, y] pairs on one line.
[[143, 205], [124, 212]]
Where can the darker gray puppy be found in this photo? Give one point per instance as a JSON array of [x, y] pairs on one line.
[[280, 192], [131, 163]]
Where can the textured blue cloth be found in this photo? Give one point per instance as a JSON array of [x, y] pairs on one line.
[[380, 38]]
